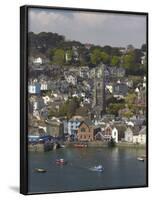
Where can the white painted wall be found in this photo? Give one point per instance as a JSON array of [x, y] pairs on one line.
[[115, 134]]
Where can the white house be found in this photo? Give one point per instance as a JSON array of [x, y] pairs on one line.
[[71, 79], [84, 72], [110, 88], [44, 86], [115, 134], [73, 125], [46, 99], [38, 61], [135, 138], [141, 137]]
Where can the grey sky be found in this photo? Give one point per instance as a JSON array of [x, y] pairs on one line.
[[117, 30]]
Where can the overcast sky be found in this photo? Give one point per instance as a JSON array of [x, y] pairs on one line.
[[117, 30]]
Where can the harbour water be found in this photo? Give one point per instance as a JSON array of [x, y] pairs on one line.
[[121, 169]]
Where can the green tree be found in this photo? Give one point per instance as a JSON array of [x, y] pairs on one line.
[[73, 104], [69, 108], [105, 58], [107, 49], [96, 56], [58, 57], [127, 114], [128, 60], [51, 54], [130, 98], [114, 108], [115, 61]]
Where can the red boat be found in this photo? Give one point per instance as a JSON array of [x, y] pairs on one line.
[[80, 145], [60, 161]]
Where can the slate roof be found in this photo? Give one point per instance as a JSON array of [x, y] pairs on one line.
[[88, 122]]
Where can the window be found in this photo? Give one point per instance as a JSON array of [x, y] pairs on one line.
[[82, 129]]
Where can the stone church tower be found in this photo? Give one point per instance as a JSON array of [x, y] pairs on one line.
[[98, 104]]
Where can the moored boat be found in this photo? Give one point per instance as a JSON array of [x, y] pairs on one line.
[[40, 170], [80, 145], [98, 168], [60, 161], [140, 159]]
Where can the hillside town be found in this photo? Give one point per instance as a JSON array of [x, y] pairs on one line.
[[75, 103]]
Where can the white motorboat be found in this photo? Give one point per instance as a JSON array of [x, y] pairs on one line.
[[98, 168], [140, 158], [40, 170]]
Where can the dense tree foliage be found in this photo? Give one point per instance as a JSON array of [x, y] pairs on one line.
[[63, 52], [115, 61], [58, 56], [68, 109]]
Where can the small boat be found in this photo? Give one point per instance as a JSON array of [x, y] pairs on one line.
[[98, 168], [62, 146], [140, 159], [40, 170], [80, 145], [60, 161]]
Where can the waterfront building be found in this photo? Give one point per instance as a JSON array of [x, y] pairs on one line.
[[85, 131], [115, 134], [107, 133], [73, 125], [140, 137], [128, 135], [99, 136], [132, 134]]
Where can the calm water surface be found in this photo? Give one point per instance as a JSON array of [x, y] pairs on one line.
[[121, 169]]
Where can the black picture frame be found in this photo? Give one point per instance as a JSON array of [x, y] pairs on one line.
[[24, 92]]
